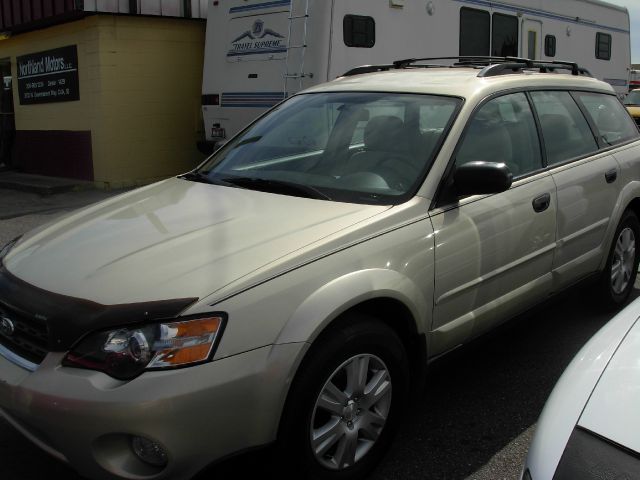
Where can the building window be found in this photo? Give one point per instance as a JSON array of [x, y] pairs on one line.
[[603, 46], [475, 32], [504, 42], [359, 31], [550, 46]]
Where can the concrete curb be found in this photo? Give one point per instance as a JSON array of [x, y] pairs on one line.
[[40, 184]]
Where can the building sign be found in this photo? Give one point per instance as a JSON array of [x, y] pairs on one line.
[[50, 76]]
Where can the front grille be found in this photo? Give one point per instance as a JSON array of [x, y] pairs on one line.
[[30, 337]]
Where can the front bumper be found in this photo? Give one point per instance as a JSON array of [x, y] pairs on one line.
[[199, 414]]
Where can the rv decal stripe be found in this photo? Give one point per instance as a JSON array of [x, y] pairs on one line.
[[616, 82], [256, 51], [542, 13], [260, 6], [252, 99]]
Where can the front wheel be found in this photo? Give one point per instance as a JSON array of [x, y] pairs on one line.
[[345, 402], [621, 269]]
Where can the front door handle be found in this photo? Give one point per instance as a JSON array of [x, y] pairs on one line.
[[611, 176], [542, 202]]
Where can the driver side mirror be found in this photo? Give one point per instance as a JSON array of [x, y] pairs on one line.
[[481, 178]]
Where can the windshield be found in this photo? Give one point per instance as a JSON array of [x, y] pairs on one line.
[[633, 98], [349, 147]]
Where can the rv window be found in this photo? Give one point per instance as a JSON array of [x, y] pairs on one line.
[[550, 46], [359, 31], [475, 28], [504, 41], [603, 46], [532, 43]]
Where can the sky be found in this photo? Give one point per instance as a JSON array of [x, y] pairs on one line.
[[634, 12]]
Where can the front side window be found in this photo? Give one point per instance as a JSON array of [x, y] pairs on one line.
[[610, 118], [475, 28], [565, 131], [603, 46], [503, 131], [359, 31], [342, 146], [504, 42]]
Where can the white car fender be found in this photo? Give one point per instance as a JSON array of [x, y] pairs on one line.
[[571, 393]]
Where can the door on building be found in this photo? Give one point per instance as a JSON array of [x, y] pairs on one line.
[[531, 39], [7, 118]]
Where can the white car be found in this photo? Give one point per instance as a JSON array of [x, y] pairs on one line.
[[293, 288], [590, 427]]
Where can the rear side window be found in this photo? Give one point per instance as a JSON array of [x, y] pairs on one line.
[[503, 131], [359, 31], [550, 46], [505, 36], [475, 28], [603, 46], [565, 131], [610, 118]]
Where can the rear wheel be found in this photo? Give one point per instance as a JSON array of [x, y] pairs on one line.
[[344, 405], [619, 275]]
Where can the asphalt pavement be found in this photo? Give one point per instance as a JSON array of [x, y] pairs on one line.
[[474, 420]]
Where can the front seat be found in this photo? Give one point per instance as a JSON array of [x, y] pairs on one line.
[[384, 137]]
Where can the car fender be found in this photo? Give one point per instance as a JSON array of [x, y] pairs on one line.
[[629, 193], [336, 297], [572, 391]]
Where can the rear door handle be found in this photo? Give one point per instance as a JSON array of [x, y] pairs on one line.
[[611, 176], [541, 203]]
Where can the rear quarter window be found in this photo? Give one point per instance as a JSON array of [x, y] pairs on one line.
[[612, 121]]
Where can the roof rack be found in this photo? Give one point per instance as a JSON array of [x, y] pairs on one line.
[[367, 69], [490, 66]]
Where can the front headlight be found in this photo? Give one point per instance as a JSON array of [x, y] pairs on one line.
[[5, 250], [125, 353]]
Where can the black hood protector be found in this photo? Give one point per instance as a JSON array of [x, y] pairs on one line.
[[69, 318]]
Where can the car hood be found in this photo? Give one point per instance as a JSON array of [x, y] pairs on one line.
[[612, 410], [174, 239]]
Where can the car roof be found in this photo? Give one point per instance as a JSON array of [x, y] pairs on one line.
[[457, 81]]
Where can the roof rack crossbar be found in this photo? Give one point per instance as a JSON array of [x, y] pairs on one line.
[[542, 67], [491, 66], [367, 69], [462, 59]]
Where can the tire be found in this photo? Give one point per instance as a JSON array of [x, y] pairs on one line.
[[333, 427], [618, 277]]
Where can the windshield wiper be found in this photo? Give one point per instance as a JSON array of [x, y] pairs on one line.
[[203, 178], [277, 186]]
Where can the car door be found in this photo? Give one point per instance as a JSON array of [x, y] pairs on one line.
[[494, 253], [586, 180]]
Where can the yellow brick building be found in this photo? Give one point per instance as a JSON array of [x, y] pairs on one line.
[[137, 118]]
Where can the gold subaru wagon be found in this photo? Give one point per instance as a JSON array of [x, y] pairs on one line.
[[291, 289]]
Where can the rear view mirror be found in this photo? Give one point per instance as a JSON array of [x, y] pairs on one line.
[[481, 178]]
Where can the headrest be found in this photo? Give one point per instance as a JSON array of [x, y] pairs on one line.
[[384, 133]]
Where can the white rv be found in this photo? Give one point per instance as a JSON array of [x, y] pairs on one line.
[[260, 51]]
